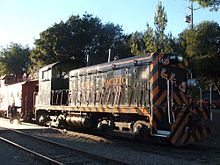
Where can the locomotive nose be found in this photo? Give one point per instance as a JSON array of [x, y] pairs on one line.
[[189, 128], [197, 121]]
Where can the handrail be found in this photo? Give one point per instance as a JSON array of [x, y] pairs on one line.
[[210, 101], [200, 97], [34, 101], [58, 96], [168, 101], [151, 106], [172, 102]]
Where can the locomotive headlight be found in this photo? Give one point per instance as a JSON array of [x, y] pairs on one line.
[[175, 58], [192, 82], [180, 58]]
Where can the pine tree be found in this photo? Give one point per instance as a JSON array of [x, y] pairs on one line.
[[160, 22], [149, 39]]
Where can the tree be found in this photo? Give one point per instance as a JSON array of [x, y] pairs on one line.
[[110, 37], [160, 22], [137, 43], [213, 5], [170, 44], [202, 49], [150, 40], [202, 40], [14, 59], [58, 42], [84, 35], [2, 67], [77, 38], [154, 40]]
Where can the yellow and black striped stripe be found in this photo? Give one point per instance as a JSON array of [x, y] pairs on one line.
[[155, 92], [130, 110], [154, 76], [183, 132]]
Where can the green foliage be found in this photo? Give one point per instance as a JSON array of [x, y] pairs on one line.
[[77, 38], [14, 59], [201, 40], [202, 49], [137, 44], [213, 5], [169, 43], [150, 40], [160, 22], [110, 37], [209, 71], [3, 70]]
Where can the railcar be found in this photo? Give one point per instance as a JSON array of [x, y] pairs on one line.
[[143, 95], [22, 95], [29, 90], [8, 95]]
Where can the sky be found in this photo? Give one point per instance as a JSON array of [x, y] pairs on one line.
[[21, 21]]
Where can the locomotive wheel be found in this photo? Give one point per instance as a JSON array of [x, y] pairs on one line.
[[141, 130], [106, 130], [61, 121], [28, 117], [41, 118], [106, 127]]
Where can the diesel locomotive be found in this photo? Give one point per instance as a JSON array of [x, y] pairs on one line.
[[146, 95]]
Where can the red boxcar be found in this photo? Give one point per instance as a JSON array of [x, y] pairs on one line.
[[29, 90]]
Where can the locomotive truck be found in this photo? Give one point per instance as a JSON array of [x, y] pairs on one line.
[[144, 95]]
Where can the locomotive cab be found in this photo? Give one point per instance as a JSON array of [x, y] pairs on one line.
[[53, 88], [54, 83]]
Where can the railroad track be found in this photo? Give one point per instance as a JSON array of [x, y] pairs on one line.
[[193, 153], [198, 152], [49, 152]]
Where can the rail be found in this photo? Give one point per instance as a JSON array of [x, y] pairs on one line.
[[71, 152], [33, 154]]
